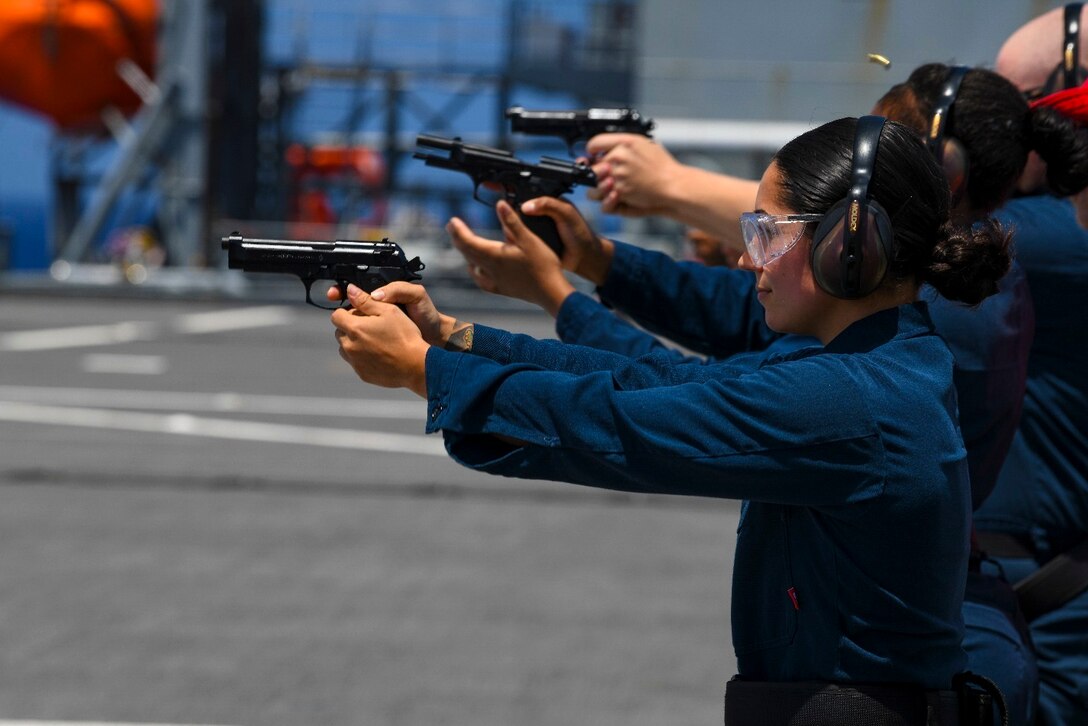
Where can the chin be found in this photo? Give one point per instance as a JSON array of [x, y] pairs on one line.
[[785, 326], [778, 326]]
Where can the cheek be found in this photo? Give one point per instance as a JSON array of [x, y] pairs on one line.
[[790, 274], [796, 298]]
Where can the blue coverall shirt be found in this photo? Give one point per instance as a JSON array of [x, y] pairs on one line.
[[852, 550], [714, 311]]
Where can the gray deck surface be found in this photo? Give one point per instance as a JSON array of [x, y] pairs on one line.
[[236, 554]]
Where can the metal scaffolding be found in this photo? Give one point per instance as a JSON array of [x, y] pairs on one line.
[[228, 108]]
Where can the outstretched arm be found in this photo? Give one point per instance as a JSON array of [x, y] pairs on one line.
[[721, 436], [709, 310], [639, 178]]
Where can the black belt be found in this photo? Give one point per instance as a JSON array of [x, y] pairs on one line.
[[1052, 585], [820, 703]]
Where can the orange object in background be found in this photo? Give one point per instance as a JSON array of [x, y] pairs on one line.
[[361, 163], [59, 57], [316, 169]]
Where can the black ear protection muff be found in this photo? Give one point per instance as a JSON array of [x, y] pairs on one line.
[[852, 245], [947, 150], [1069, 73]]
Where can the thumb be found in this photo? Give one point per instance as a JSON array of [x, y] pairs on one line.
[[549, 206], [603, 143], [565, 215], [399, 293], [361, 301]]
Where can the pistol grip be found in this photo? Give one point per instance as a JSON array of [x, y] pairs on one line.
[[544, 228]]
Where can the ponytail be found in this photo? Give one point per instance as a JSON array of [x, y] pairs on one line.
[[1063, 145], [967, 262]]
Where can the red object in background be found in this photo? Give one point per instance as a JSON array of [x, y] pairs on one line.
[[59, 57], [362, 163], [1071, 103], [315, 169]]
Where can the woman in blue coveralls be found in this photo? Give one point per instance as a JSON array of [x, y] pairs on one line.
[[853, 545], [988, 132]]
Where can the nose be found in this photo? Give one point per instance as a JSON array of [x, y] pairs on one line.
[[744, 262]]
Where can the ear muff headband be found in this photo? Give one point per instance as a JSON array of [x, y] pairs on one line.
[[948, 151], [1071, 68], [1069, 73], [942, 110], [852, 244]]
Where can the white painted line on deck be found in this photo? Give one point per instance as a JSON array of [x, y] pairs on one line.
[[222, 321], [78, 337], [85, 336], [133, 365], [221, 402], [186, 425]]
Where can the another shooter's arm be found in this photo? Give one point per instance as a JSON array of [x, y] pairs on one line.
[[520, 181], [367, 265], [578, 126]]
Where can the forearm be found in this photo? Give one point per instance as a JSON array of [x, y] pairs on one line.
[[659, 367], [517, 420], [710, 310], [586, 322], [709, 201]]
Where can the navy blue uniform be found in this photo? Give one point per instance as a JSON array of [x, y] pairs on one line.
[[1042, 491], [848, 456], [714, 311]]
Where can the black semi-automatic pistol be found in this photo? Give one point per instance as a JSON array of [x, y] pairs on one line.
[[367, 265], [519, 181], [576, 126]]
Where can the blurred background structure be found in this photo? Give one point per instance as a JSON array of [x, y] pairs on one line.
[[174, 123], [136, 132]]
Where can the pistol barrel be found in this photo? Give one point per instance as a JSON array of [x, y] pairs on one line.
[[576, 126]]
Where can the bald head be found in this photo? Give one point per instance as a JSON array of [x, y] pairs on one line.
[[1032, 53]]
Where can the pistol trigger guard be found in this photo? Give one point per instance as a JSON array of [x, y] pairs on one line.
[[308, 282], [476, 190], [342, 286]]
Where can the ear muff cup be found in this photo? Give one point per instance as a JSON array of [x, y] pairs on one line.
[[957, 168], [829, 268], [948, 150]]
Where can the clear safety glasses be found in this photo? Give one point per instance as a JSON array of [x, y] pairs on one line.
[[769, 236]]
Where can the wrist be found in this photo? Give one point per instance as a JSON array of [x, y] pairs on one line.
[[595, 267], [417, 379], [447, 324], [555, 297], [460, 340]]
